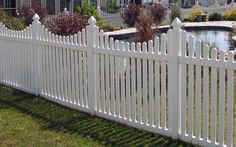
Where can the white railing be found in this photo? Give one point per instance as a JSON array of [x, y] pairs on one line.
[[114, 19], [215, 7], [172, 86]]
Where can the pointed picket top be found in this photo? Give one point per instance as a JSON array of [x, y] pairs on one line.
[[215, 4], [176, 24], [232, 4], [92, 21], [36, 17]]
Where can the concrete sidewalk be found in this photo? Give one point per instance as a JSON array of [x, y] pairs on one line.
[[228, 25]]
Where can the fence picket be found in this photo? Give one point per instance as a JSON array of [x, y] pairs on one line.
[[230, 99], [213, 97], [145, 99], [157, 84], [183, 83], [139, 88], [205, 94], [221, 101], [122, 81], [150, 86], [117, 69], [54, 75], [107, 75], [198, 91], [127, 83], [190, 87], [163, 82], [112, 71]]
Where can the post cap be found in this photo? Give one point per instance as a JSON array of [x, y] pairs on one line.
[[176, 24], [92, 21], [36, 17]]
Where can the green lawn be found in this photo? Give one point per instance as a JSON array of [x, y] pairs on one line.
[[27, 120]]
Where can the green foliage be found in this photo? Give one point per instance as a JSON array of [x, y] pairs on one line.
[[187, 20], [108, 28], [193, 15], [232, 38], [11, 22], [112, 9], [175, 12], [215, 17], [111, 2], [230, 15], [87, 10]]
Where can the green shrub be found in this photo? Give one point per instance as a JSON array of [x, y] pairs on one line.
[[11, 22], [87, 10], [231, 39], [111, 7], [215, 17], [175, 12], [187, 20], [230, 15], [108, 28], [193, 15]]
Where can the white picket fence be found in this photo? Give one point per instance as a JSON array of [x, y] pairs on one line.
[[172, 86]]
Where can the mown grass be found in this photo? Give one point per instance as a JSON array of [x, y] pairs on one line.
[[27, 120]]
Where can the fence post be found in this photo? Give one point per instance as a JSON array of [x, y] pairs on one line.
[[35, 36], [91, 63], [174, 73]]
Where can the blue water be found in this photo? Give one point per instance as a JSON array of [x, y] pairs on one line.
[[215, 38]]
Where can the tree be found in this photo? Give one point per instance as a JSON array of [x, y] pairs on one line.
[[158, 13], [175, 12], [144, 28], [87, 10], [131, 14]]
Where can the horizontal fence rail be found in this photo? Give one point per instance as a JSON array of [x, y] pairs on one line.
[[173, 85]]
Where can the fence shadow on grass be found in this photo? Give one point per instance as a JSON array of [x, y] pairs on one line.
[[60, 119]]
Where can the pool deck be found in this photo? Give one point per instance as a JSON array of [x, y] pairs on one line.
[[223, 25]]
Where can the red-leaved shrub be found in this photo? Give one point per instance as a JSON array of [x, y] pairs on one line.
[[40, 10], [144, 29], [26, 12], [66, 23], [131, 14], [158, 12]]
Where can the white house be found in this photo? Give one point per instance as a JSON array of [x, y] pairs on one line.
[[55, 6]]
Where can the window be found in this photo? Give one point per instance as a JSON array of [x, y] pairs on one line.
[[1, 3], [77, 3], [36, 1], [50, 5], [64, 4]]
